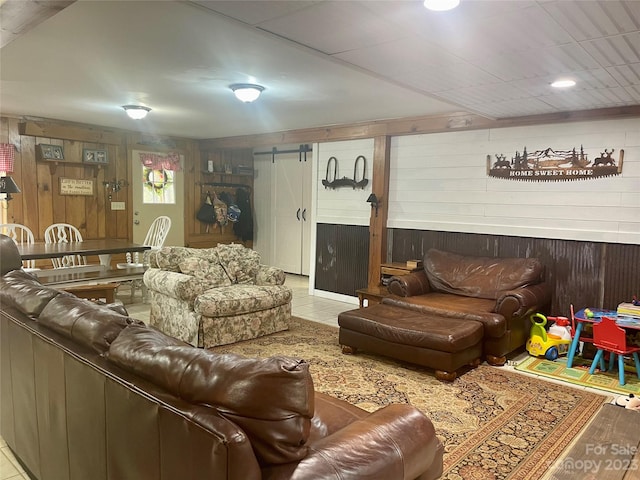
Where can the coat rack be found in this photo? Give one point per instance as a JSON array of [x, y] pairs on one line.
[[225, 184]]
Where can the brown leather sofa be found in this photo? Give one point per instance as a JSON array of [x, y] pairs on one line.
[[500, 293], [89, 393]]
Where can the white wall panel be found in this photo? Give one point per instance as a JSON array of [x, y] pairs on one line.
[[344, 205], [440, 182]]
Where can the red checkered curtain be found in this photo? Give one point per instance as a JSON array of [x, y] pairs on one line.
[[171, 161], [7, 157]]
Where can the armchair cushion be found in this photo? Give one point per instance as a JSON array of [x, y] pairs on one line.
[[240, 263], [482, 277], [241, 299], [209, 273]]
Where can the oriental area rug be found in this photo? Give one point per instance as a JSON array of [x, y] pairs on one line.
[[494, 423], [607, 381]]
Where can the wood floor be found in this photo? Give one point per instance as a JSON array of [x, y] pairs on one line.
[[606, 450]]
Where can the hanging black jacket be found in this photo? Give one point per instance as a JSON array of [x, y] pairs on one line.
[[243, 228]]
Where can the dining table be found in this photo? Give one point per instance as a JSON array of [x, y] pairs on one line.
[[104, 248], [581, 318]]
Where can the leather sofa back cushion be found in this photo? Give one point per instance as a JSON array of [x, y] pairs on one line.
[[11, 259], [85, 322], [270, 399], [25, 292], [481, 277]]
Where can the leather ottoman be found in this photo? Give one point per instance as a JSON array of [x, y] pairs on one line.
[[441, 343]]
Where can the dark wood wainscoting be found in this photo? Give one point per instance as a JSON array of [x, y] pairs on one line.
[[342, 256], [583, 273]]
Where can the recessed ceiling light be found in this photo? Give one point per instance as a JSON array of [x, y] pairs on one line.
[[441, 5], [563, 83]]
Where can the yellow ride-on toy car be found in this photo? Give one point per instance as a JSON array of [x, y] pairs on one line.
[[541, 342]]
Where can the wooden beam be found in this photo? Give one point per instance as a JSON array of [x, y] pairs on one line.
[[50, 129], [412, 126], [378, 219]]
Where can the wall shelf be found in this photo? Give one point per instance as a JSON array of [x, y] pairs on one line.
[[53, 165]]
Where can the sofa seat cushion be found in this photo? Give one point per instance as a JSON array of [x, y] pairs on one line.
[[448, 305], [482, 277], [241, 299], [271, 399]]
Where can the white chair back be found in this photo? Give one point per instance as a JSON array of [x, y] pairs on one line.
[[64, 233], [156, 235], [158, 232], [21, 235]]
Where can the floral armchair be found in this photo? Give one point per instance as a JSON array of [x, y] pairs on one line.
[[216, 296]]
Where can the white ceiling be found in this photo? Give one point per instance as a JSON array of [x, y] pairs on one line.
[[321, 62]]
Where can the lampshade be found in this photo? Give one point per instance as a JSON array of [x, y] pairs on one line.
[[246, 92], [136, 112], [8, 186]]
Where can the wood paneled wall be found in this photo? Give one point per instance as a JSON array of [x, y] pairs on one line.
[[40, 203]]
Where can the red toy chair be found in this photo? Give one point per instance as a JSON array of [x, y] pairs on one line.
[[609, 337]]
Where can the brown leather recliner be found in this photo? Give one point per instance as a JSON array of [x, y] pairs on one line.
[[501, 293], [90, 393]]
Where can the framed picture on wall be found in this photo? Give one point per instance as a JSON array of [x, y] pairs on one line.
[[94, 156], [49, 152]]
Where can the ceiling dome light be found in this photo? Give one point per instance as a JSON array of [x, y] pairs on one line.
[[136, 112], [246, 92], [563, 83], [441, 5]]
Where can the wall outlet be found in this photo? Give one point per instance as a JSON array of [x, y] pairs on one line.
[[117, 206]]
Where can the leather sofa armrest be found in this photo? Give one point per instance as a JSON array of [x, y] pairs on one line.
[[521, 301], [396, 442], [174, 284], [414, 283]]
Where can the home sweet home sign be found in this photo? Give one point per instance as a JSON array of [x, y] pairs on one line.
[[553, 165]]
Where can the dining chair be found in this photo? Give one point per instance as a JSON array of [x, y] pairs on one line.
[[156, 235], [21, 235], [610, 337], [64, 233]]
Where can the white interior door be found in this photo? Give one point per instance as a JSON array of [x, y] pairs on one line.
[[145, 213], [307, 214], [287, 213]]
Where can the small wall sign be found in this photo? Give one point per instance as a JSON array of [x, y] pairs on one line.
[[94, 156], [76, 186], [49, 152], [550, 164]]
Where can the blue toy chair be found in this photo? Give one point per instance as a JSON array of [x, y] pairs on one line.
[[609, 337]]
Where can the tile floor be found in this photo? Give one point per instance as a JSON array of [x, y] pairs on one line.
[[306, 306]]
